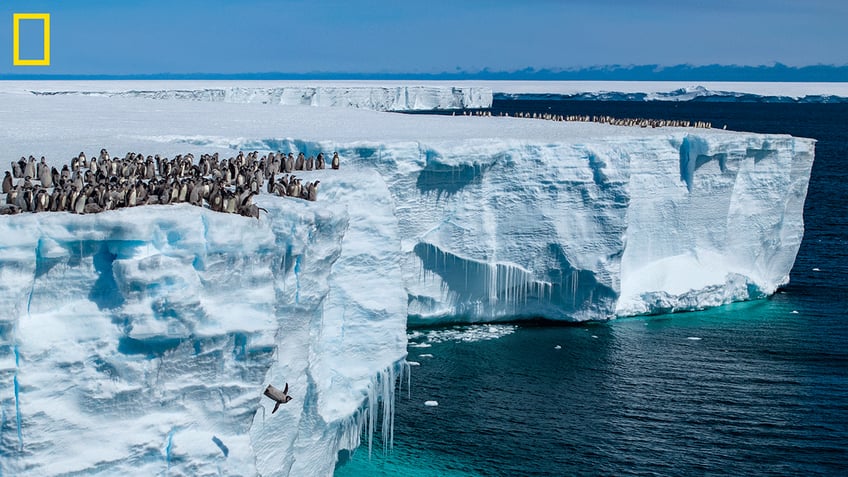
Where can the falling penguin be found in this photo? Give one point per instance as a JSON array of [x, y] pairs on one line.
[[281, 397]]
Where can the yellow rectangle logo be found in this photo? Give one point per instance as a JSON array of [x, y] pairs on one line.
[[16, 20]]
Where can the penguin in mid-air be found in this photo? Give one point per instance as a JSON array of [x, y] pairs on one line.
[[281, 397]]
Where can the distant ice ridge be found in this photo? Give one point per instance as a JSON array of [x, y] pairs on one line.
[[138, 342], [689, 93], [385, 98]]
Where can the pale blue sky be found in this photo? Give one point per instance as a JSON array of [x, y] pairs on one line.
[[427, 36]]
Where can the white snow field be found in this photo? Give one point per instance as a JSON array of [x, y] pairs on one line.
[[139, 341]]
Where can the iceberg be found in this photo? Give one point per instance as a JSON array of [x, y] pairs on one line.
[[140, 340]]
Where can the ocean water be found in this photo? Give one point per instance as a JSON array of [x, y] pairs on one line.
[[758, 388]]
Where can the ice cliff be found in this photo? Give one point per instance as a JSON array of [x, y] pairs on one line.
[[378, 98], [139, 341], [593, 229]]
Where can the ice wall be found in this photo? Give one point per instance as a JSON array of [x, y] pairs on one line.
[[577, 230], [378, 98], [138, 342]]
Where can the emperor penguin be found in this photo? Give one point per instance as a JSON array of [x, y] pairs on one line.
[[12, 196], [289, 163], [79, 205], [335, 163], [45, 175], [42, 168], [17, 170], [312, 191], [7, 182], [281, 397], [42, 201], [54, 199], [232, 205], [194, 197], [29, 170], [309, 163], [26, 201]]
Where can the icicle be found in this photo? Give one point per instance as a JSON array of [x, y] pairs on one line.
[[380, 398], [574, 277]]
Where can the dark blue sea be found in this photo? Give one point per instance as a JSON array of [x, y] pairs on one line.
[[758, 388]]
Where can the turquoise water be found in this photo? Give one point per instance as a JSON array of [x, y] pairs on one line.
[[746, 389], [757, 388]]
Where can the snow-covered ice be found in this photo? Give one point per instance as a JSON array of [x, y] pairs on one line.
[[141, 339]]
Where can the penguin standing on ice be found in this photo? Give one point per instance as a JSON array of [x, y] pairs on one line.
[[335, 163], [7, 183], [312, 191]]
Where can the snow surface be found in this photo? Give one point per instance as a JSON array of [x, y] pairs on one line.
[[140, 340]]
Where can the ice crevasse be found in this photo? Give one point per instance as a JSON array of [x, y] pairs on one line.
[[167, 322]]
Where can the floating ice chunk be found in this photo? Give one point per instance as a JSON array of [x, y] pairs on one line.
[[794, 312], [431, 403], [816, 269], [413, 363], [465, 333], [557, 347], [693, 338], [595, 336], [419, 345]]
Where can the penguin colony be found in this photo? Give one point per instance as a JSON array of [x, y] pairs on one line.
[[645, 123], [104, 183]]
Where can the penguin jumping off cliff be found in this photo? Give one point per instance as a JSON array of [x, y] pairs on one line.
[[281, 397]]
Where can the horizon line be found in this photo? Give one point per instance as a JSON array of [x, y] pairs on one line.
[[776, 72]]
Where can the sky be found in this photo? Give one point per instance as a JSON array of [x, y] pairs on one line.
[[419, 36]]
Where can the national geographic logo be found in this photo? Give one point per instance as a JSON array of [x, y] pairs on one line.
[[17, 18]]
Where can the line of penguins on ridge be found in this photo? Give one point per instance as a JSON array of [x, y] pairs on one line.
[[104, 183], [641, 122]]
